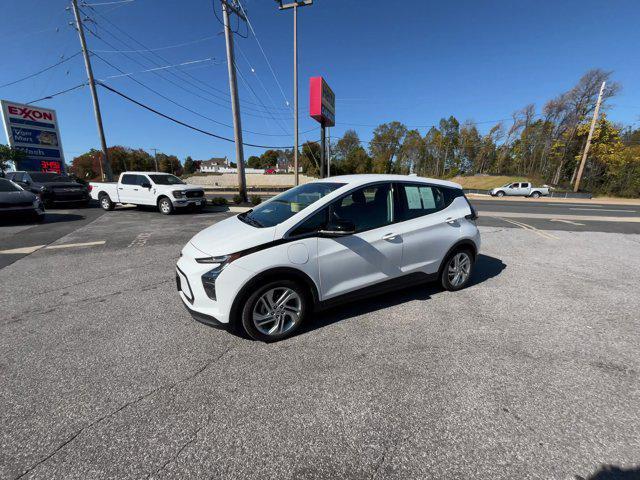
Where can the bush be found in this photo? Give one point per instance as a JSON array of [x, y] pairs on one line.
[[237, 199], [219, 201], [255, 200]]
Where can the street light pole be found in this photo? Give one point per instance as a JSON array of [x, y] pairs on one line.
[[295, 5]]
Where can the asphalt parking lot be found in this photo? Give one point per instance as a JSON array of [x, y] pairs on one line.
[[531, 372]]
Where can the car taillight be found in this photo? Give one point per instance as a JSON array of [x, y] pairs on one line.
[[89, 188]]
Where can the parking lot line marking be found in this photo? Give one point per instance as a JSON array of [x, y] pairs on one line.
[[72, 245], [525, 226], [603, 209], [566, 221], [23, 250], [547, 216]]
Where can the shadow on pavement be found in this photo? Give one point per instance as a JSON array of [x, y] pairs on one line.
[[486, 267], [611, 472], [50, 217]]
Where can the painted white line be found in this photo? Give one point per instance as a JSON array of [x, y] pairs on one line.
[[140, 240], [603, 210], [547, 216], [532, 229], [572, 205], [23, 250], [566, 221], [73, 245]]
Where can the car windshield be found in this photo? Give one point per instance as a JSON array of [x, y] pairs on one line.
[[7, 186], [166, 180], [48, 177], [287, 204]]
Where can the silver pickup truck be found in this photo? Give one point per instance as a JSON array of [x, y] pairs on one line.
[[520, 189]]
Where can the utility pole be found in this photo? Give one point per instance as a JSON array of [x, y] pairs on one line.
[[233, 87], [105, 166], [155, 157], [586, 147], [295, 5], [323, 150], [328, 152]]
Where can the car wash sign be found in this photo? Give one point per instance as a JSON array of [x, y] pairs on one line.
[[34, 131], [322, 102]]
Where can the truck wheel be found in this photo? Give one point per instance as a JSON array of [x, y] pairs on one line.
[[106, 203], [165, 206], [535, 195], [500, 193]]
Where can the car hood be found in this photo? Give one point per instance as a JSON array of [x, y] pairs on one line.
[[229, 236], [16, 197]]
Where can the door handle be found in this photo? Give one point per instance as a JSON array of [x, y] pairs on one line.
[[120, 188], [135, 189], [390, 236], [451, 220]]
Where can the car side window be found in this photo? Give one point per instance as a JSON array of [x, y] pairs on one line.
[[314, 223], [419, 200], [10, 175], [514, 185], [368, 207], [142, 179], [129, 180]]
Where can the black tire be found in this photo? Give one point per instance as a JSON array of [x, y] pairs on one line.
[[165, 206], [250, 303], [445, 278], [535, 195], [106, 203], [499, 193], [38, 217]]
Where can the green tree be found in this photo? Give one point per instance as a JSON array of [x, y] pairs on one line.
[[386, 142], [269, 159], [254, 162], [9, 154], [189, 165], [310, 159]]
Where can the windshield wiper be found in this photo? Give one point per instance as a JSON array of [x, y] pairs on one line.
[[251, 221]]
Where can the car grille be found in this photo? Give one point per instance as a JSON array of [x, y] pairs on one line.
[[14, 205], [195, 193]]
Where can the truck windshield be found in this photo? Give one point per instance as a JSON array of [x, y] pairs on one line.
[[166, 180], [287, 204]]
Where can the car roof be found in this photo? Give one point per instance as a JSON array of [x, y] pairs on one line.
[[363, 179], [146, 173]]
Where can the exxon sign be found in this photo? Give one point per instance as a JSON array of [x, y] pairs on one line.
[[34, 131]]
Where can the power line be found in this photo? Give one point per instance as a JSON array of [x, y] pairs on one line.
[[106, 3], [190, 62], [48, 97], [263, 53], [40, 71], [168, 47], [184, 124]]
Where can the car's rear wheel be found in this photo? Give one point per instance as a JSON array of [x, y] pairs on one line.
[[275, 311], [106, 203], [165, 206], [535, 195], [457, 270]]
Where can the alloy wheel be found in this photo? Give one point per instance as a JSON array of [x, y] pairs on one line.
[[459, 269], [277, 311]]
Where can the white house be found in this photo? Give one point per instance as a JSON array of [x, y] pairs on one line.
[[214, 165]]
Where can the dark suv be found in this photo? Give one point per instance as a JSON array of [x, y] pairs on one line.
[[52, 187]]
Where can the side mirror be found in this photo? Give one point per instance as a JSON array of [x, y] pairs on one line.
[[145, 185], [340, 228]]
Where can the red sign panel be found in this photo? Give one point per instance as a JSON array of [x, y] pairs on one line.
[[322, 102]]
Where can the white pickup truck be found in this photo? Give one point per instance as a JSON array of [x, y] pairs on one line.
[[163, 190], [521, 189]]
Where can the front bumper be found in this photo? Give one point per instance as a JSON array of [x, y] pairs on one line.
[[188, 202], [205, 319]]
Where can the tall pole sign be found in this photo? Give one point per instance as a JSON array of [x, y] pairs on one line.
[[34, 131], [322, 108]]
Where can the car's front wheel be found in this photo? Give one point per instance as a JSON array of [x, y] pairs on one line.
[[275, 311], [500, 194], [457, 270], [165, 206]]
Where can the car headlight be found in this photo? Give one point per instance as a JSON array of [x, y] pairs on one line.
[[178, 194], [209, 278]]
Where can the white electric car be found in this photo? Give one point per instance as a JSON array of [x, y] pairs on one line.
[[263, 271]]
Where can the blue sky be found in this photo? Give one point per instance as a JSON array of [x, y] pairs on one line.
[[414, 62]]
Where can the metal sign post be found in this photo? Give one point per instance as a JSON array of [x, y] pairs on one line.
[[322, 108]]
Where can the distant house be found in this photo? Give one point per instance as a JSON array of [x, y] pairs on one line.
[[213, 165]]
